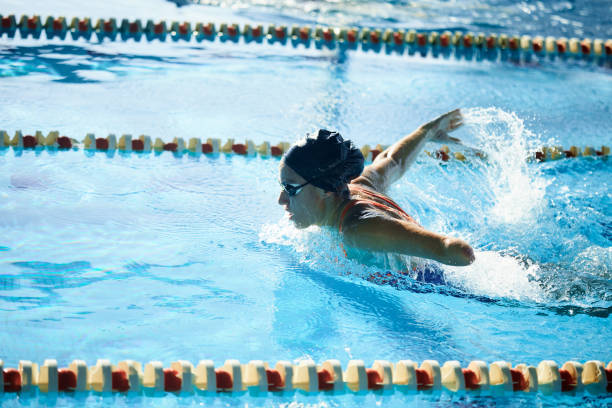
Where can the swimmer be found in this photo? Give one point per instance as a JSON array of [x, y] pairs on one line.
[[324, 182]]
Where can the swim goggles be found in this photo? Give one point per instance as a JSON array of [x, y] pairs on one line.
[[292, 189]]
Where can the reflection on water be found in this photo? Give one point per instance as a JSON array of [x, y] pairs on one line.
[[73, 63]]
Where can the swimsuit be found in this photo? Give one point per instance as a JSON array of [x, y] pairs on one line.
[[391, 205], [401, 264]]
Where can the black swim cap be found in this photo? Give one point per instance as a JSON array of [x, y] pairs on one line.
[[325, 160]]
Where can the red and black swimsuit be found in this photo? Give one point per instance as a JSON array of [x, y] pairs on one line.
[[427, 272], [391, 205]]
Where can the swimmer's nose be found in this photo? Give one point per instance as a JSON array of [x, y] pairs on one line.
[[283, 199]]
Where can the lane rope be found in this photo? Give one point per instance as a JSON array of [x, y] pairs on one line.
[[479, 46], [258, 377], [196, 146]]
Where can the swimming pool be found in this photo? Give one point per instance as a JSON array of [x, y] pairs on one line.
[[157, 257]]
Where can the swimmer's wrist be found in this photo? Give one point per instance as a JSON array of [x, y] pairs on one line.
[[426, 130]]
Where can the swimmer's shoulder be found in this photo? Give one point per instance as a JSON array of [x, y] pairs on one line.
[[365, 182], [365, 205], [359, 209]]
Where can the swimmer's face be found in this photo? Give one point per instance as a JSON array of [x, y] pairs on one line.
[[304, 208]]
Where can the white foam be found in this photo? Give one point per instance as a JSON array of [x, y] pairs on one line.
[[595, 260], [496, 275], [286, 234], [518, 193], [492, 274], [319, 248]]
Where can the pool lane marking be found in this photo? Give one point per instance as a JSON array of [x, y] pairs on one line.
[[467, 44], [144, 144], [258, 377]]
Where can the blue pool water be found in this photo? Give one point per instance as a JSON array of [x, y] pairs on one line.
[[151, 257]]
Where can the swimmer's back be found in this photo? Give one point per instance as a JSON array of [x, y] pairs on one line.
[[369, 202], [366, 202]]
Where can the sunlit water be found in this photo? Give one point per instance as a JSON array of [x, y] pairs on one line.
[[162, 257]]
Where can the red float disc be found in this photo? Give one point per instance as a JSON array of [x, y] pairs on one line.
[[275, 381], [224, 380], [172, 382], [374, 379], [207, 148], [66, 380], [471, 379], [12, 380], [424, 380], [519, 382], [29, 141], [137, 145], [325, 380], [171, 147], [101, 144]]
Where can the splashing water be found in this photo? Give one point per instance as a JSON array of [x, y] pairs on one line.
[[506, 217], [492, 275], [316, 247], [497, 275], [515, 198], [518, 192]]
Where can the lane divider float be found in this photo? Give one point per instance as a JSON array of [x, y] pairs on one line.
[[466, 44], [198, 146], [557, 152], [257, 376]]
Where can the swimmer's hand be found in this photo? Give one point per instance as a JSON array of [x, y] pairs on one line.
[[437, 130], [457, 252]]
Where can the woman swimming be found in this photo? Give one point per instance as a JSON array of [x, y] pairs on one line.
[[324, 182]]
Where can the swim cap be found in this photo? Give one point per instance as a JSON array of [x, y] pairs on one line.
[[325, 160]]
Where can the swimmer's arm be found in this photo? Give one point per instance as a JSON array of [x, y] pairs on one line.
[[393, 162], [381, 234]]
